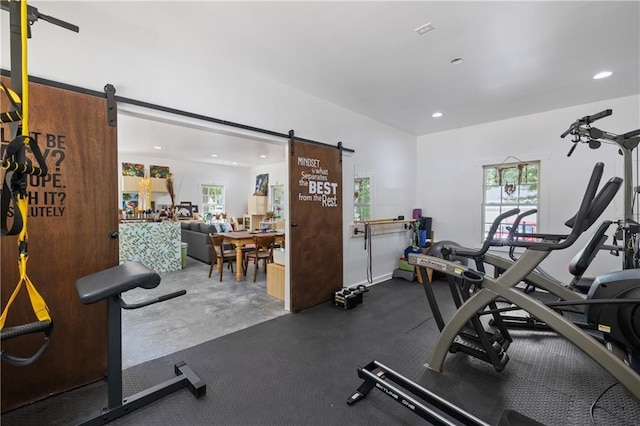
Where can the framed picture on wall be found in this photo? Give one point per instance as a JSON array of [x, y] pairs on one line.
[[159, 171], [133, 169], [184, 211], [262, 185], [129, 200]]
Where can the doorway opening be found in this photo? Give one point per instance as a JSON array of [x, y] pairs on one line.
[[199, 155]]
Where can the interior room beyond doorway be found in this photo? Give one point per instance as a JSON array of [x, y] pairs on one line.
[[197, 154]]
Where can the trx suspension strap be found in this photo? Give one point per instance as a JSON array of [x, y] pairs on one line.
[[14, 190]]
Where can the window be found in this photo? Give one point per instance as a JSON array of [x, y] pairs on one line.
[[212, 200], [510, 186], [277, 201], [361, 198]]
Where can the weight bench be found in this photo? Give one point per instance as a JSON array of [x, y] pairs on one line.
[[110, 284]]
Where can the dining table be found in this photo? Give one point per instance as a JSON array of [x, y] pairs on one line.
[[240, 239]]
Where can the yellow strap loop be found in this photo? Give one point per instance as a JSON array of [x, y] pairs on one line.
[[23, 207], [38, 304]]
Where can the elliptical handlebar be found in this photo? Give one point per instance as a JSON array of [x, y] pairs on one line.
[[514, 228], [490, 237], [631, 134], [591, 207], [513, 232], [602, 114], [586, 120]]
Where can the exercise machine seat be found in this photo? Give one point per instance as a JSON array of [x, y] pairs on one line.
[[108, 285], [113, 281]]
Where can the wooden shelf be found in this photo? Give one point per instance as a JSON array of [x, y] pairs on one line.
[[380, 226], [252, 221], [257, 204], [158, 185], [384, 221], [275, 280], [130, 183]]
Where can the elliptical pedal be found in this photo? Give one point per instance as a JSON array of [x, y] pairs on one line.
[[495, 354]]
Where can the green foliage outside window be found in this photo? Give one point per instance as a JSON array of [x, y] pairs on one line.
[[212, 199], [277, 201], [362, 199]]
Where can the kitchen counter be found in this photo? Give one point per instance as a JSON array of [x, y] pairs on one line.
[[156, 244]]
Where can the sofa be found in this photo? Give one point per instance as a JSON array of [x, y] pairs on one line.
[[196, 234]]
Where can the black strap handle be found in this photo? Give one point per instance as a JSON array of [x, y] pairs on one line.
[[45, 327]]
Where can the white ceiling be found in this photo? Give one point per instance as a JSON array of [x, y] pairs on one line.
[[519, 57], [192, 140]]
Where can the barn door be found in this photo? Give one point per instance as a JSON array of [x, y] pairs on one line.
[[315, 231], [71, 213]]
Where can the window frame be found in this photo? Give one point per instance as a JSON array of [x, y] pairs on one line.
[[505, 206], [273, 205], [368, 205], [204, 210]]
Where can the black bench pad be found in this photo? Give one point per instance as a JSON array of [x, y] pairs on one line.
[[113, 281]]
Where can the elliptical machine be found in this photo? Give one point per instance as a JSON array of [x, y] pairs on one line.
[[489, 289]]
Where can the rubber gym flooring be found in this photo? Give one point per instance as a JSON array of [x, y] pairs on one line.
[[299, 369]]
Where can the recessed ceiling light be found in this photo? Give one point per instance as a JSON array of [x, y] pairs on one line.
[[263, 156], [437, 115], [214, 155], [457, 61], [603, 74], [425, 28], [234, 163], [157, 147]]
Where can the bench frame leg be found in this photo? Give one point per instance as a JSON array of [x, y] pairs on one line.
[[117, 407]]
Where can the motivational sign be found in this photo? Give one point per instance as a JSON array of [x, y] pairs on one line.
[[49, 197], [316, 184]]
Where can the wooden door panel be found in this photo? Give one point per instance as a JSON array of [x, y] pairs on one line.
[[315, 241], [71, 212]]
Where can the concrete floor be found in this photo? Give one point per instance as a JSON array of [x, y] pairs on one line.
[[210, 309]]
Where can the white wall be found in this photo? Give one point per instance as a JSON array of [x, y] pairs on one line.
[[450, 173], [168, 72]]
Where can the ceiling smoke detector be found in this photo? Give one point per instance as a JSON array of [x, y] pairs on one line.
[[425, 28]]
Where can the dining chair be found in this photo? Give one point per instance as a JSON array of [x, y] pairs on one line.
[[218, 252], [263, 250]]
